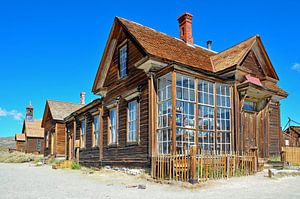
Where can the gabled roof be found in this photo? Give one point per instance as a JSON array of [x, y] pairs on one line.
[[163, 46], [89, 106], [20, 137], [158, 45], [59, 110], [33, 129], [234, 55]]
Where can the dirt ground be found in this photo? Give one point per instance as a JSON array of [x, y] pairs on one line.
[[28, 181]]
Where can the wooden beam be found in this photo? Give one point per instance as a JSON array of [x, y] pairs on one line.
[[173, 127]]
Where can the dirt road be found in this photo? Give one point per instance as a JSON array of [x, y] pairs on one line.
[[28, 181]]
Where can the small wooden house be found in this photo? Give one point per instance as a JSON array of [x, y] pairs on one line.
[[54, 126], [20, 142], [291, 136], [160, 95], [84, 134], [34, 136]]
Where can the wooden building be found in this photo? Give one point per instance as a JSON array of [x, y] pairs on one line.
[[20, 142], [54, 126], [291, 137], [34, 136], [160, 95], [83, 127]]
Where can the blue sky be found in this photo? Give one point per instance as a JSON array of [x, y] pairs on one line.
[[51, 49]]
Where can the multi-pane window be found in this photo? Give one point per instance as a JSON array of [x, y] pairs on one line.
[[223, 107], [224, 141], [206, 140], [96, 130], [205, 105], [164, 119], [184, 139], [211, 109], [113, 126], [132, 121], [82, 129], [185, 112], [123, 61], [223, 118]]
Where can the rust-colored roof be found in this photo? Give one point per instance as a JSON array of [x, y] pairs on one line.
[[163, 46], [34, 129], [232, 56], [276, 88], [60, 110], [20, 137]]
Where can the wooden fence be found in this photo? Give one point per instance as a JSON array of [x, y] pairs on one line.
[[202, 167], [291, 155]]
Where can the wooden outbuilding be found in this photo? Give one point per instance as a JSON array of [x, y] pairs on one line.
[[34, 136], [291, 136], [54, 126], [20, 142]]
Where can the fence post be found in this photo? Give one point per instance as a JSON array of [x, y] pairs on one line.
[[193, 174]]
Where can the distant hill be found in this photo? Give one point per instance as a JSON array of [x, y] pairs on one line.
[[7, 142]]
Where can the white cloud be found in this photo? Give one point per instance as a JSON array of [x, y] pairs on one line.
[[13, 113], [296, 67]]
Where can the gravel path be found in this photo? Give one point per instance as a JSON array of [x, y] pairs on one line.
[[28, 181]]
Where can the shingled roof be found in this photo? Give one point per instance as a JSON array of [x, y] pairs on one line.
[[20, 137], [161, 45], [233, 55], [33, 129], [60, 110]]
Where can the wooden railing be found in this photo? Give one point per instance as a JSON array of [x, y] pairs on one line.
[[195, 167], [291, 155]]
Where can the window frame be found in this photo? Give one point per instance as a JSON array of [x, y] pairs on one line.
[[109, 140], [213, 137], [124, 44], [95, 142], [137, 122], [83, 136]]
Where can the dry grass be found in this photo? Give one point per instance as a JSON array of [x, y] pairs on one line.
[[17, 157]]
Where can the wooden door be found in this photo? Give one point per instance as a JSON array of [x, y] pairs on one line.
[[249, 128]]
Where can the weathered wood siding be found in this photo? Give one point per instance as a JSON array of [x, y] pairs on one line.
[[21, 146], [89, 155], [252, 65], [60, 139], [124, 154], [274, 129], [31, 145]]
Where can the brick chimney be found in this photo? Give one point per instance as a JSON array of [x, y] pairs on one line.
[[82, 98], [185, 27]]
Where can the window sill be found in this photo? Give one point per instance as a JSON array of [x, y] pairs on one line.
[[132, 143], [248, 111], [114, 145]]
